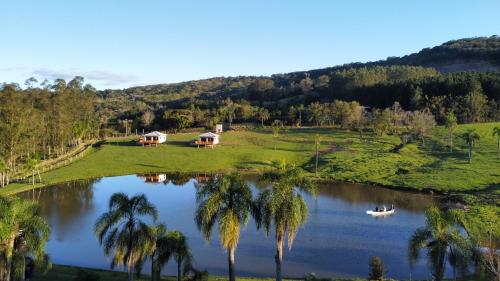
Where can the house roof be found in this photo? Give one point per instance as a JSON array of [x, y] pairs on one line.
[[155, 134], [209, 135]]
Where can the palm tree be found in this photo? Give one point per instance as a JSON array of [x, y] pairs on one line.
[[317, 142], [23, 233], [470, 137], [300, 109], [160, 251], [122, 231], [225, 200], [440, 237], [179, 249], [276, 126], [263, 115], [32, 168], [496, 131], [283, 206]]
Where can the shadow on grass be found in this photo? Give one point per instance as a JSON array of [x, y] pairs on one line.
[[123, 143], [149, 166], [310, 165], [180, 143], [270, 147], [458, 157], [246, 164], [492, 188]]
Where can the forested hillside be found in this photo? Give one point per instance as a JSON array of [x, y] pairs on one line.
[[414, 81], [476, 54]]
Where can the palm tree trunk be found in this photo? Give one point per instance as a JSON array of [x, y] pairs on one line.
[[231, 264], [279, 257], [317, 157], [470, 153], [20, 264], [451, 142], [8, 259], [2, 265], [179, 272], [440, 266], [153, 267], [130, 270], [498, 154]]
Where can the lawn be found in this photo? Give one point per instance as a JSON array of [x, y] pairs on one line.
[[419, 166], [68, 273], [344, 157]]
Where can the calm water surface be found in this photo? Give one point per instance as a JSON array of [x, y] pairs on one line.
[[337, 241]]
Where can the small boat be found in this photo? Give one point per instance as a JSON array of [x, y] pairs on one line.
[[381, 212]]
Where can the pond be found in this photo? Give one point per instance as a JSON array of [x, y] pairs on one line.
[[337, 241]]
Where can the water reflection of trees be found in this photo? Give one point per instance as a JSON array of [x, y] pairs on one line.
[[367, 194], [360, 193], [64, 203], [348, 192], [179, 178]]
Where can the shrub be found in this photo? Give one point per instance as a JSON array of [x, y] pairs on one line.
[[377, 269]]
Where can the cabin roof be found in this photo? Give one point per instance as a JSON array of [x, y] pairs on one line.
[[155, 134], [209, 135]]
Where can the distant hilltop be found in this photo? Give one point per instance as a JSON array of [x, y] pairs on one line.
[[469, 54], [480, 54]]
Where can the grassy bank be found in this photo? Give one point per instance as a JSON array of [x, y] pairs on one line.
[[344, 157], [68, 273]]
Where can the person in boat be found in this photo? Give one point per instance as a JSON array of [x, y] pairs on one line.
[[376, 208], [385, 209], [392, 207]]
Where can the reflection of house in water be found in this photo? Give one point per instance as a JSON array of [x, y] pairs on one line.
[[153, 177], [203, 177]]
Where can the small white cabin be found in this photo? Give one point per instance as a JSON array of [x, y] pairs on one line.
[[153, 138], [207, 139]]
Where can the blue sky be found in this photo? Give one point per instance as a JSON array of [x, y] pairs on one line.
[[116, 44]]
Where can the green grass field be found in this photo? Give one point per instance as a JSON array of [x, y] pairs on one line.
[[68, 273], [344, 157]]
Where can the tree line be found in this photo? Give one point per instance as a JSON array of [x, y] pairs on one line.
[[470, 96], [40, 123]]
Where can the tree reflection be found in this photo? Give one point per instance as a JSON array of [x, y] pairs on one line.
[[179, 178], [64, 204], [360, 193]]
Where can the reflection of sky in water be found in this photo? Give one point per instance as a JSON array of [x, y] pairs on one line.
[[337, 241]]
